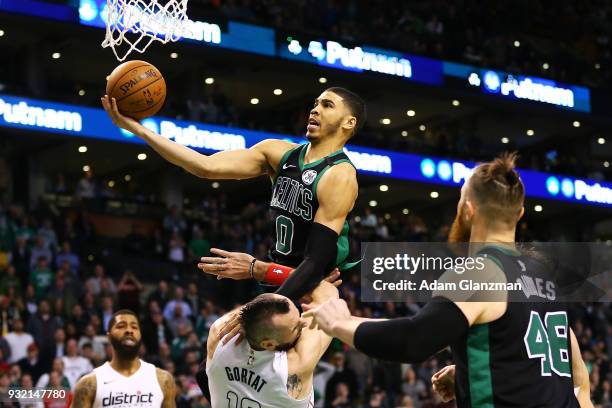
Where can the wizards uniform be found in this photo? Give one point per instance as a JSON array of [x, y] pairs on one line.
[[294, 204], [524, 358]]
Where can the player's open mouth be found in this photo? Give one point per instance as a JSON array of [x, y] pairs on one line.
[[313, 124]]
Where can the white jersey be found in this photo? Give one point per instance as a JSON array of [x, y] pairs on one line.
[[139, 390], [240, 377]]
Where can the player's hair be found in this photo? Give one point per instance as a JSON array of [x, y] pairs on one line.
[[113, 319], [497, 188], [256, 316], [355, 104]]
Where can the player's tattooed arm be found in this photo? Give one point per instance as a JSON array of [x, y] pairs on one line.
[[168, 387], [294, 386], [85, 392]]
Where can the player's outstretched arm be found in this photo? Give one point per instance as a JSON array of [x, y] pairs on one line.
[[263, 158], [336, 193], [580, 374], [85, 392], [168, 387]]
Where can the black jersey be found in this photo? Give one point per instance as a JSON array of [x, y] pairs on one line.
[[294, 204], [523, 359]]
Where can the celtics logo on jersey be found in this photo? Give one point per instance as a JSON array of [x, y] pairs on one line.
[[309, 176]]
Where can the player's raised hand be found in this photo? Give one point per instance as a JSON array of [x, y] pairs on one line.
[[327, 315], [124, 122], [231, 265], [444, 383], [231, 328]]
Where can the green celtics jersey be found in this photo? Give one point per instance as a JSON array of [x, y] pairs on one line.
[[294, 205]]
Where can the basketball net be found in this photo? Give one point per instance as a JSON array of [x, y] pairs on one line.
[[133, 25]]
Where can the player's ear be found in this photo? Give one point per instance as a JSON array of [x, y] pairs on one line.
[[350, 123], [469, 210], [521, 213], [268, 344]]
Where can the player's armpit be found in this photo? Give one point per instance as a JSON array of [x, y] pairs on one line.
[[168, 387], [85, 392]]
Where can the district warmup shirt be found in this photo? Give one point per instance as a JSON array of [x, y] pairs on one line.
[[241, 377], [141, 389]]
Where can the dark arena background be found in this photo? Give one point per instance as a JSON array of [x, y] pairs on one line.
[[92, 220]]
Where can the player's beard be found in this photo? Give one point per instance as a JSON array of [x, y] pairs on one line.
[[124, 351], [459, 232]]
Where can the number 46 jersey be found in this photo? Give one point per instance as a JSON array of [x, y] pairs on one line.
[[294, 204], [523, 359]]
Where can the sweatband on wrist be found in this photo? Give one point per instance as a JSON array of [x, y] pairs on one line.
[[319, 259], [277, 274], [413, 340]]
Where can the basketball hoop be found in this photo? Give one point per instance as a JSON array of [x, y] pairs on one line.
[[140, 22]]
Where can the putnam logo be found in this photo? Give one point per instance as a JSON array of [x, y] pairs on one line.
[[309, 177]]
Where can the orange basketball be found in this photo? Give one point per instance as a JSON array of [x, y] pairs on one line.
[[138, 87]]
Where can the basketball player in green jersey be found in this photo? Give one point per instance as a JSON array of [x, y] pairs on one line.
[[315, 187], [510, 350]]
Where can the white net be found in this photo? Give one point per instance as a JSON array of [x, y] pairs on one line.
[[133, 25]]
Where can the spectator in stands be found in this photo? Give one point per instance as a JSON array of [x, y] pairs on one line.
[[193, 297], [178, 319], [5, 382], [20, 258], [42, 325], [59, 346], [86, 187], [128, 292], [174, 221], [107, 311], [32, 363], [406, 402], [40, 250], [161, 295], [66, 254], [176, 247], [413, 386], [97, 342], [41, 277], [198, 246], [155, 331], [8, 314], [75, 365], [181, 332], [48, 235], [341, 397], [342, 375], [100, 284], [179, 299], [10, 280], [18, 341], [58, 367]]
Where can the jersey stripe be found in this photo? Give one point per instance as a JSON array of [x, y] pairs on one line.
[[479, 367]]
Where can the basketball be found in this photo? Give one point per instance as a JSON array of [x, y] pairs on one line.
[[138, 87]]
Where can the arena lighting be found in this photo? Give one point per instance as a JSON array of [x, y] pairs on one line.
[[142, 156], [111, 183], [127, 178], [405, 211], [530, 132], [404, 133], [215, 184], [82, 149], [86, 168], [601, 140], [1, 33], [254, 101], [606, 164], [50, 118], [322, 80], [576, 124], [278, 91], [372, 203], [384, 187], [385, 121], [517, 44], [56, 55], [505, 140], [434, 194], [174, 55], [538, 208], [422, 128], [456, 102], [545, 66], [81, 92], [209, 81], [411, 113]]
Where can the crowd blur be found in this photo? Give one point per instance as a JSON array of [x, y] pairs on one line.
[[56, 299], [568, 42]]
